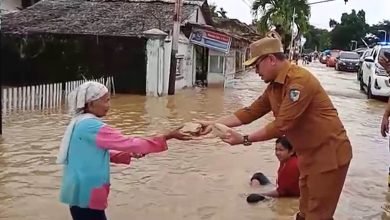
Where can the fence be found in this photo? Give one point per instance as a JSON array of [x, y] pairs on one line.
[[41, 97]]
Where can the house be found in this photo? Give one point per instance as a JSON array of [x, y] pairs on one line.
[[60, 40], [238, 28], [218, 54]]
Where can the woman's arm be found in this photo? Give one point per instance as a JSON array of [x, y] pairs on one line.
[[112, 139], [120, 157]]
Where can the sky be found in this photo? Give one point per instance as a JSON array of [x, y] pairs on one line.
[[376, 10]]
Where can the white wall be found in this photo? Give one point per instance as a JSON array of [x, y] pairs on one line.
[[185, 51], [230, 68], [10, 5], [157, 68]]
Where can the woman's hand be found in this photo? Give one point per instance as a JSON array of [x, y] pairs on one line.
[[135, 155], [206, 127], [177, 134]]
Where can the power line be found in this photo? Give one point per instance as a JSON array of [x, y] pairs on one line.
[[247, 3], [318, 2]]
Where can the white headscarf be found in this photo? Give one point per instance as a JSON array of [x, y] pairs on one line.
[[78, 98]]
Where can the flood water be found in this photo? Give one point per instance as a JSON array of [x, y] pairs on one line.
[[197, 179]]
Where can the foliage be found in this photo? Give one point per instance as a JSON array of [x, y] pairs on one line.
[[317, 38], [217, 13], [279, 14], [352, 27]]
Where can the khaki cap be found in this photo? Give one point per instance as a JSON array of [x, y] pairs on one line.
[[264, 46]]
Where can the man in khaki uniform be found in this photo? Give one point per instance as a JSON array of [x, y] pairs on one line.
[[306, 116], [385, 62]]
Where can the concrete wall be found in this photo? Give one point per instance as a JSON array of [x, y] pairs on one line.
[[185, 55], [230, 68], [158, 62]]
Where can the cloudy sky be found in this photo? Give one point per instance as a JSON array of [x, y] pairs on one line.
[[376, 10]]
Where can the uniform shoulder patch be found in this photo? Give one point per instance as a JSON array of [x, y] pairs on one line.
[[294, 95]]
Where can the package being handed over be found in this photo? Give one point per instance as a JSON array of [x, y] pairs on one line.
[[191, 128], [220, 130]]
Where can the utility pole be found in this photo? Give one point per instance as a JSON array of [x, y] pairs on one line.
[[293, 22], [292, 37], [175, 46]]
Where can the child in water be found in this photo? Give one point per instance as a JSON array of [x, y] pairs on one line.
[[88, 147], [288, 173]]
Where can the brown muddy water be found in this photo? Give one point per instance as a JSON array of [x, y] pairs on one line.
[[197, 179]]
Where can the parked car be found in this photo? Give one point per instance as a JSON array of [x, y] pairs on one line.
[[375, 80], [347, 61], [361, 60], [331, 61], [323, 58]]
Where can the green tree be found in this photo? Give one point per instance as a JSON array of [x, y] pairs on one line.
[[317, 38], [279, 13], [222, 12], [217, 13], [333, 23], [384, 25], [352, 27]]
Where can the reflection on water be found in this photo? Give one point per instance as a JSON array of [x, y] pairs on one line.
[[193, 180]]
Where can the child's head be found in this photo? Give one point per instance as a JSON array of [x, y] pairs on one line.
[[90, 97], [283, 149]]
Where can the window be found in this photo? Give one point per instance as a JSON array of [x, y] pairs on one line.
[[216, 64], [179, 67], [382, 51], [349, 55]]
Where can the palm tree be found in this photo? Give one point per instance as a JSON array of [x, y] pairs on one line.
[[333, 23], [279, 14], [222, 12]]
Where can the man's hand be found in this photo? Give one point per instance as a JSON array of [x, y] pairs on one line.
[[385, 126], [233, 137], [383, 61]]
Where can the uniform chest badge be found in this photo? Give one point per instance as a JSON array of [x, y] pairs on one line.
[[294, 95]]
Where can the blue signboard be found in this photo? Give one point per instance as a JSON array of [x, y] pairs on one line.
[[212, 40]]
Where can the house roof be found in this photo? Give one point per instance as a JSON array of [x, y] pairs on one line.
[[233, 25], [237, 27], [95, 17], [218, 30]]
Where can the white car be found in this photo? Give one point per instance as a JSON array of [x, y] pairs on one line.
[[375, 81]]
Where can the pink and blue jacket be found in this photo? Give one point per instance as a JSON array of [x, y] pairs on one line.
[[93, 145]]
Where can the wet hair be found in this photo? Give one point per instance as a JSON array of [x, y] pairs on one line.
[[263, 180], [285, 143]]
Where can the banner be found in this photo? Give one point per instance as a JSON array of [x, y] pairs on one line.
[[210, 39]]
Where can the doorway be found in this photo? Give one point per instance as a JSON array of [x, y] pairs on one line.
[[201, 65]]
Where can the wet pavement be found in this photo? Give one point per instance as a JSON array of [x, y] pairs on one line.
[[197, 179]]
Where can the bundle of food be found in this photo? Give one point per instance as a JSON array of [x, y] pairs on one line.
[[191, 128]]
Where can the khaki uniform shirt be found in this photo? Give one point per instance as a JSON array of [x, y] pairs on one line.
[[305, 114]]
